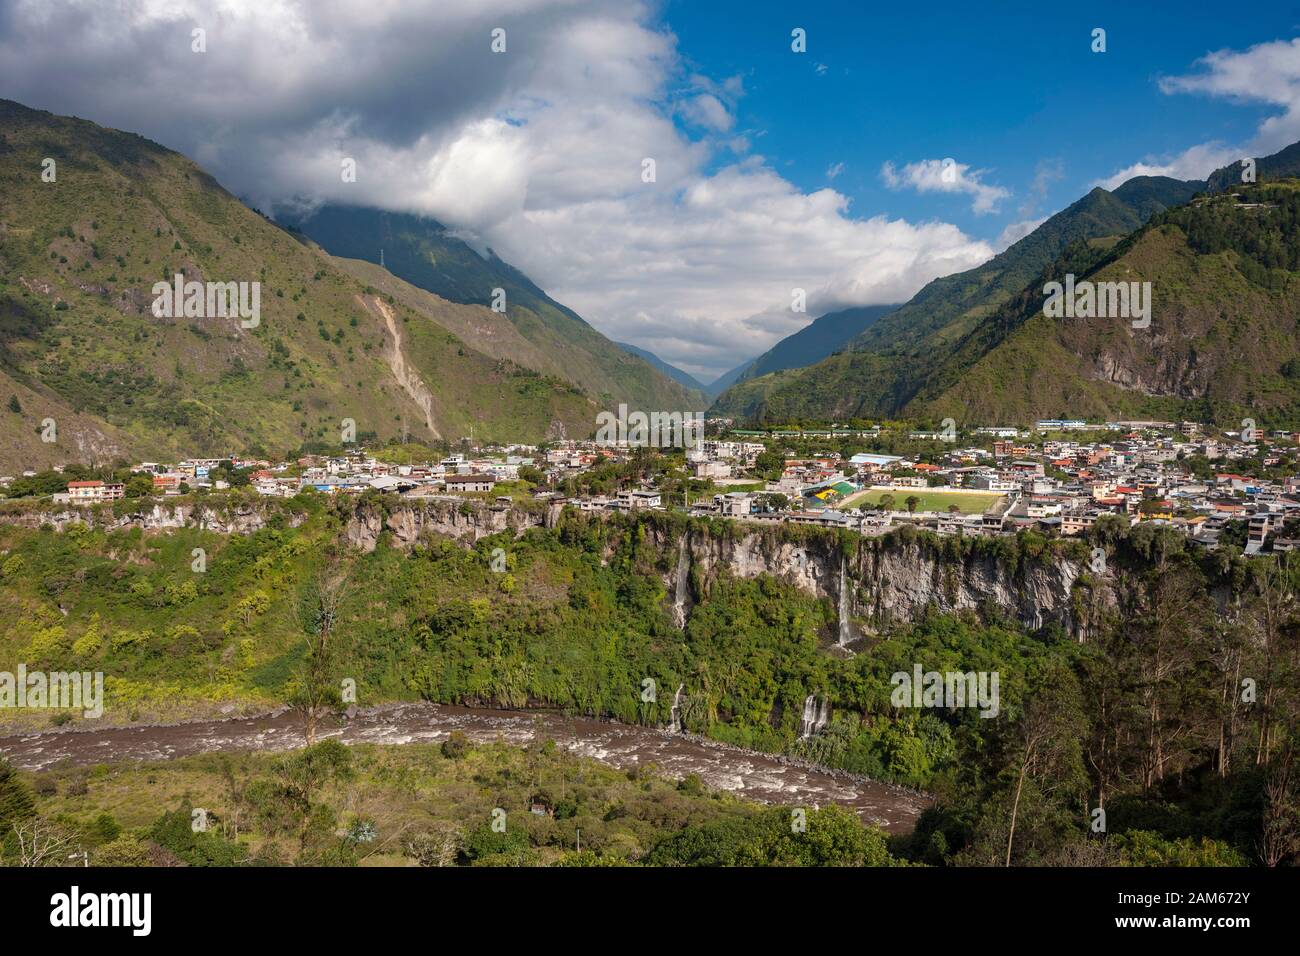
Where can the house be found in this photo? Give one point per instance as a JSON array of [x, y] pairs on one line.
[[392, 483], [712, 469], [734, 504], [1075, 524], [631, 500], [461, 483], [83, 491], [869, 462]]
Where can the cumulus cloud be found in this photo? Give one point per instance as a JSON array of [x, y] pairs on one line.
[[1265, 73], [1196, 162], [707, 110], [536, 151], [1015, 231], [744, 221], [945, 176]]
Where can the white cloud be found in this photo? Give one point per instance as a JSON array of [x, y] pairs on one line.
[[1194, 163], [1046, 172], [945, 176], [834, 169], [721, 260], [1015, 231], [707, 110], [536, 152], [1265, 73]]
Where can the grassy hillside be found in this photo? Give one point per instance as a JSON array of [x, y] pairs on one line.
[[826, 334], [425, 254], [682, 377], [79, 343], [1222, 344]]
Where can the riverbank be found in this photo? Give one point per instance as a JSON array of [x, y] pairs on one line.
[[766, 778]]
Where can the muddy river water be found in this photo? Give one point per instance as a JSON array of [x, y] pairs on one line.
[[757, 776]]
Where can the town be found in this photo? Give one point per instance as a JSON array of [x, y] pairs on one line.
[[1058, 478]]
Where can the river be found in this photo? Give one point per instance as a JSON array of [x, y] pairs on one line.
[[756, 776]]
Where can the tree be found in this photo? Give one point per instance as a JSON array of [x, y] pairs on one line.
[[1271, 613], [17, 804], [1046, 740], [139, 486], [886, 502], [40, 843], [1281, 830], [770, 464], [912, 501], [15, 406], [1167, 639], [287, 803], [316, 692]]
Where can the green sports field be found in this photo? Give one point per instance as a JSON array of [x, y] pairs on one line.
[[930, 500]]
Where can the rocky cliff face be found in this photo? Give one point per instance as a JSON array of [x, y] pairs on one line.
[[891, 580], [152, 515], [412, 522], [874, 582]]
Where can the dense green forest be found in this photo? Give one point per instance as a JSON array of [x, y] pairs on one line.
[[1265, 241], [1174, 709]]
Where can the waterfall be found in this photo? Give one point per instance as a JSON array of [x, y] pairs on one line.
[[816, 716], [675, 719], [846, 626], [683, 581]]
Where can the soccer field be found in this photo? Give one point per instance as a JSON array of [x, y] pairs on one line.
[[967, 502]]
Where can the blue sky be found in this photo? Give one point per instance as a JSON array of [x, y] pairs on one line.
[[776, 172], [1011, 88]]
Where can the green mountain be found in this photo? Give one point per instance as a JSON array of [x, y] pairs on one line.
[[823, 336], [1222, 343], [1281, 165], [672, 371], [81, 347], [727, 379], [429, 256], [883, 368]]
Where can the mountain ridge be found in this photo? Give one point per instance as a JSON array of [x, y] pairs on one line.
[[880, 370], [80, 346], [426, 254]]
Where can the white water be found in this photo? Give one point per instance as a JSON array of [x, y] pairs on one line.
[[816, 716], [683, 581], [675, 719], [846, 626]]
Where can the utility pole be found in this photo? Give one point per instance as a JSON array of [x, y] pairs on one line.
[[381, 256]]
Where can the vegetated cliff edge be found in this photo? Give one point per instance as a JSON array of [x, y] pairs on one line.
[[874, 581]]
